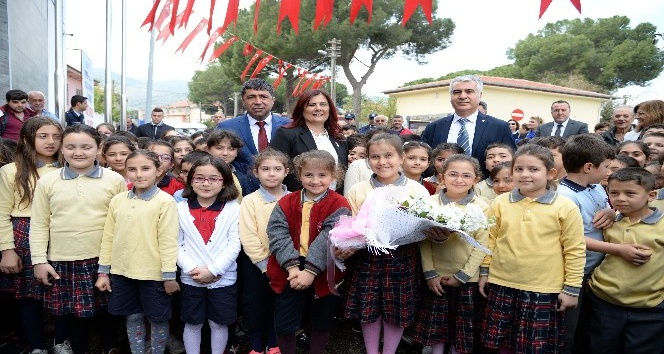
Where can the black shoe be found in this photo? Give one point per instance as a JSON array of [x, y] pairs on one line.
[[302, 339]]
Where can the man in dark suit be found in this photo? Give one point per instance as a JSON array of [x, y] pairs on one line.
[[156, 128], [257, 124], [75, 114], [469, 128], [562, 125]]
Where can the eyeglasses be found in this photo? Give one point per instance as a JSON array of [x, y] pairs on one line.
[[165, 157], [211, 180], [455, 175]]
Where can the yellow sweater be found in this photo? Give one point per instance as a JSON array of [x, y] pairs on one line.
[[537, 245], [141, 236], [483, 189], [69, 212], [255, 212], [9, 202], [620, 282], [455, 256], [358, 193]]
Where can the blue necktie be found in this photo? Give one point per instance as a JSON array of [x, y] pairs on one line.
[[463, 140]]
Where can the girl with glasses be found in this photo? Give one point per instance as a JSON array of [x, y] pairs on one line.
[[209, 246]]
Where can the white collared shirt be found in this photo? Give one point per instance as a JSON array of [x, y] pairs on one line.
[[562, 129], [323, 142], [255, 128], [453, 135]]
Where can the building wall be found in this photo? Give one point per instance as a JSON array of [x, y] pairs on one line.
[[502, 101], [24, 45]]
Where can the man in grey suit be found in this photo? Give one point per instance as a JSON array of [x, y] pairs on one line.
[[562, 125]]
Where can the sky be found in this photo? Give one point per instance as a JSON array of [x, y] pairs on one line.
[[485, 29]]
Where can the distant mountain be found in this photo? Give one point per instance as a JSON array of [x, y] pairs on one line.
[[163, 91]]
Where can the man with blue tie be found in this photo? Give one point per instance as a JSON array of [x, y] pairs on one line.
[[257, 126], [467, 127]]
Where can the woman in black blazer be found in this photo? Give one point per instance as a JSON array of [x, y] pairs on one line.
[[314, 127]]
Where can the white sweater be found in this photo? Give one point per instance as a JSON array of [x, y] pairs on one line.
[[219, 254]]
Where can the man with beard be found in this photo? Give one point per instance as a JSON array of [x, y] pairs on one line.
[[14, 113]]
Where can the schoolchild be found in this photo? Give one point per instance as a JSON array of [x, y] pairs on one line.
[[635, 149], [627, 295], [185, 167], [439, 154], [501, 178], [384, 289], [182, 146], [69, 210], [655, 141], [115, 151], [495, 154], [165, 181], [554, 144], [225, 144], [37, 153], [297, 267], [536, 268], [139, 252], [209, 246], [450, 311], [586, 159], [416, 161], [271, 168]]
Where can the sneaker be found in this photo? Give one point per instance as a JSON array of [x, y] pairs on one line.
[[39, 351], [175, 345], [274, 350], [63, 348], [302, 339]]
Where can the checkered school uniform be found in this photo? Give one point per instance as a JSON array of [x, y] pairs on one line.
[[24, 285], [75, 292], [524, 320], [453, 318], [387, 286]]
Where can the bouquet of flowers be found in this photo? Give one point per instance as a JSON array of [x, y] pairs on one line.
[[390, 218]]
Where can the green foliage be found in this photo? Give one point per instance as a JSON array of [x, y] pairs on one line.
[[605, 52], [212, 89], [384, 37], [100, 104]]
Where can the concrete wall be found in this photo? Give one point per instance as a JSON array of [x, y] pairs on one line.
[[25, 44], [501, 101]]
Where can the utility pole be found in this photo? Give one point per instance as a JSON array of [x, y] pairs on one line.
[[335, 52]]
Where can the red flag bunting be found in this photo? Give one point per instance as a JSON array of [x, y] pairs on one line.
[[302, 74], [320, 82], [163, 15], [222, 48], [211, 40], [324, 12], [248, 49], [411, 6], [356, 6], [174, 16], [544, 4], [231, 14], [283, 67], [306, 84], [212, 3], [165, 32], [187, 12], [151, 15], [290, 9], [251, 63], [191, 35], [258, 5], [261, 65]]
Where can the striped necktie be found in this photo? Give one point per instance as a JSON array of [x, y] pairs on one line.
[[463, 140]]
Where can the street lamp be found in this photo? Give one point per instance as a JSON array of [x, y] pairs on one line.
[[334, 53]]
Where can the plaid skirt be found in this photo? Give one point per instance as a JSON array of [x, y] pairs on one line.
[[385, 285], [24, 285], [452, 318], [525, 321], [75, 291]]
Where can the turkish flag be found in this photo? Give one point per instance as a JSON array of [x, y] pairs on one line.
[[411, 6], [545, 5], [187, 12], [222, 48], [151, 15], [290, 9], [251, 63], [283, 67], [324, 11], [356, 6], [261, 65], [258, 5]]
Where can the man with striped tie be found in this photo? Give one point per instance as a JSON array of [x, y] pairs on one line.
[[467, 127]]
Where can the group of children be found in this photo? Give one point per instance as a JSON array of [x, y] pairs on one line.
[[83, 242]]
